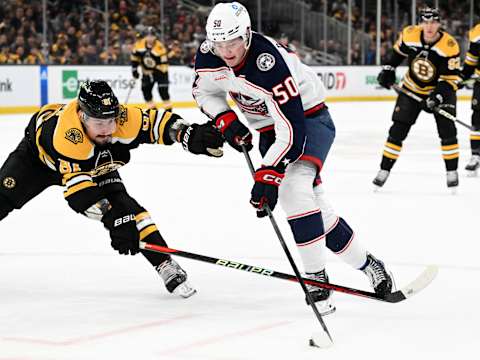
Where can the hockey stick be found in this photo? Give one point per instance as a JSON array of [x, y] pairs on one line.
[[132, 85], [417, 285], [437, 110], [321, 340]]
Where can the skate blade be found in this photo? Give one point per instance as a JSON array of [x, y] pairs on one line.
[[472, 173], [184, 290], [325, 307]]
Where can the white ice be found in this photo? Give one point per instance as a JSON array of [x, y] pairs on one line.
[[66, 295]]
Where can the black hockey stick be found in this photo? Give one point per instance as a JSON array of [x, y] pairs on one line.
[[437, 110], [422, 281], [290, 259]]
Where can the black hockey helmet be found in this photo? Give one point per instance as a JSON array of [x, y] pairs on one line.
[[428, 14], [96, 99]]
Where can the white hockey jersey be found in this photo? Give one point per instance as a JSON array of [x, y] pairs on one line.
[[271, 87]]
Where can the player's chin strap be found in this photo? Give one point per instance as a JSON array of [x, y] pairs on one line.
[[437, 110], [289, 256]]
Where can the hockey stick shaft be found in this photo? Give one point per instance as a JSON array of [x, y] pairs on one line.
[[287, 252], [394, 297], [132, 85], [437, 110]]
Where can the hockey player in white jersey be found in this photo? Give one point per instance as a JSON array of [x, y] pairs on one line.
[[284, 100]]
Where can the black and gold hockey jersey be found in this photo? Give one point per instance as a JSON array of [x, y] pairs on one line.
[[57, 136], [472, 58], [151, 59], [428, 63]]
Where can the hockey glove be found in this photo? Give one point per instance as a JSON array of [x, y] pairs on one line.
[[432, 101], [265, 190], [386, 77], [135, 73], [202, 139], [234, 131], [123, 230]]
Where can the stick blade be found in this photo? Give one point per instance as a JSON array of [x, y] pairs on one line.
[[320, 339], [421, 282]]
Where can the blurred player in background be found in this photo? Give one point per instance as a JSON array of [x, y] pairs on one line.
[[471, 66], [283, 100], [433, 58], [151, 55], [80, 146]]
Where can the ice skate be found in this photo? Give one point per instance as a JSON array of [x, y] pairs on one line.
[[452, 181], [320, 296], [380, 179], [175, 278], [473, 166], [380, 279]]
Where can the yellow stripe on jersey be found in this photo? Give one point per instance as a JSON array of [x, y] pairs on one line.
[[78, 187], [165, 117], [411, 85], [69, 138]]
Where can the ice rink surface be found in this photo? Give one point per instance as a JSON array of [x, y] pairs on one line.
[[66, 295]]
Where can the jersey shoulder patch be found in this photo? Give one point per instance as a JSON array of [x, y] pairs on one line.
[[129, 124], [69, 138], [265, 61], [447, 46], [205, 47], [474, 34]]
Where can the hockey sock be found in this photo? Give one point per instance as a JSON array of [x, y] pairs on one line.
[[309, 235], [391, 152], [341, 241], [450, 153], [149, 233]]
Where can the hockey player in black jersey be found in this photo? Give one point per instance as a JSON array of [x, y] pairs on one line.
[[150, 55], [283, 100], [471, 66], [433, 58], [81, 145]]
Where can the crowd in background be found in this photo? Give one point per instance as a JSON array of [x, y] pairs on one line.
[[76, 32]]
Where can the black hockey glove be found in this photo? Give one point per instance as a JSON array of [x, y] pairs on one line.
[[432, 101], [386, 78], [234, 131], [265, 190], [123, 230], [135, 73], [202, 139]]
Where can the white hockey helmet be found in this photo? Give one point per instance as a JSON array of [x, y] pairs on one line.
[[228, 21]]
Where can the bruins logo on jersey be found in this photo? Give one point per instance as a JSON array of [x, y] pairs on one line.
[[423, 69], [9, 182], [149, 61], [74, 135]]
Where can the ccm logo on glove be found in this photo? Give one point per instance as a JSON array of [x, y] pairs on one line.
[[123, 220], [268, 177]]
